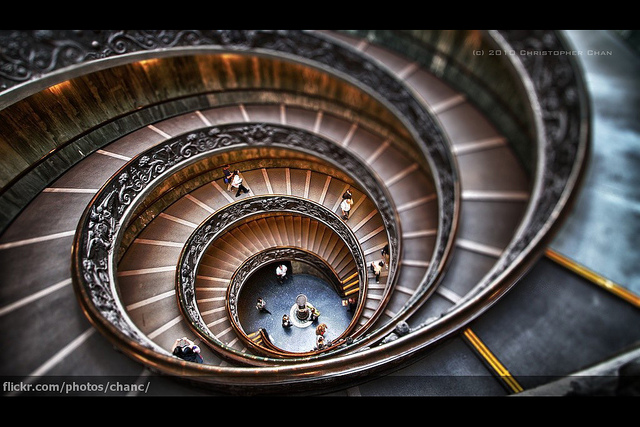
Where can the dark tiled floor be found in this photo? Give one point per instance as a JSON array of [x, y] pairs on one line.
[[280, 299], [600, 232]]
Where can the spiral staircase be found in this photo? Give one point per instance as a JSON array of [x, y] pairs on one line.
[[120, 235]]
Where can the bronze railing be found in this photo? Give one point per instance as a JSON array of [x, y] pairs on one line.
[[554, 91], [101, 228], [271, 255], [217, 224]]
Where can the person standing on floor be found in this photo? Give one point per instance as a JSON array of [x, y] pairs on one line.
[[261, 305], [315, 313], [321, 329], [236, 182], [352, 303], [320, 345], [281, 273], [286, 322]]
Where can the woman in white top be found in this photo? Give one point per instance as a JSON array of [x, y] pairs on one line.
[[236, 182], [346, 207], [281, 272]]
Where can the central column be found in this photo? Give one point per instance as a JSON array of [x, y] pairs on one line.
[[302, 309]]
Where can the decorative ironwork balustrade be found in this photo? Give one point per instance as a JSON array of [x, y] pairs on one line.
[[554, 91], [100, 229], [216, 225]]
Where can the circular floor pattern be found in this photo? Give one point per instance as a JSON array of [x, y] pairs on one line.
[[279, 300]]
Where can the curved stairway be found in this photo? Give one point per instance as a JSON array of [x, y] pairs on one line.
[[158, 246], [413, 195], [34, 249]]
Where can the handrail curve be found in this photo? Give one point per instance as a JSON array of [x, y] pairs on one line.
[[555, 91], [216, 225]]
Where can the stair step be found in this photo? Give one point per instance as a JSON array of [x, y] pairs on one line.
[[263, 224], [350, 284]]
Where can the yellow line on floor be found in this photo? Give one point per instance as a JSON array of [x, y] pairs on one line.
[[593, 277], [502, 372]]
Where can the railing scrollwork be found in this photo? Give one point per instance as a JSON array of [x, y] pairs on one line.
[[224, 219], [99, 232]]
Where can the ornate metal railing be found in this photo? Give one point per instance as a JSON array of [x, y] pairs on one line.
[[557, 106], [268, 256], [283, 253], [560, 111], [226, 218], [101, 227], [554, 91], [345, 62]]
